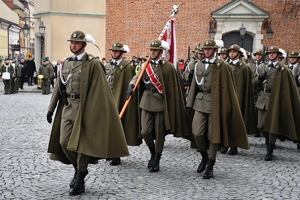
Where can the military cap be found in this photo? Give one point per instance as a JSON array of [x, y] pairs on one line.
[[234, 47], [77, 36], [6, 59], [258, 51], [294, 54], [209, 44], [118, 46], [273, 49], [198, 49], [158, 44], [46, 59], [223, 50]]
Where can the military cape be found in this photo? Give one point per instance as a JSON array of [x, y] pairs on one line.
[[228, 128], [130, 120], [243, 81], [97, 130], [283, 114], [174, 109]]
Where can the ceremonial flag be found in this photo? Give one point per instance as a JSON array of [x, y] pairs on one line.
[[170, 37]]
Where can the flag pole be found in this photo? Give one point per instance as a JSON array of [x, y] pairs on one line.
[[173, 13]]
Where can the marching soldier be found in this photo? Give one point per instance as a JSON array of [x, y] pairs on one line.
[[46, 70], [278, 102], [119, 73], [254, 66], [162, 103], [87, 126], [295, 67], [242, 75], [212, 92], [7, 70]]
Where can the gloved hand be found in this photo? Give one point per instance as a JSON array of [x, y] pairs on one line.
[[129, 91], [191, 73], [49, 117], [188, 110], [262, 76]]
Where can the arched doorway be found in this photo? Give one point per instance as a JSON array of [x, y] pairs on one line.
[[235, 38]]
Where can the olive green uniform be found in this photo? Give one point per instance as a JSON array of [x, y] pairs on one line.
[[47, 71]]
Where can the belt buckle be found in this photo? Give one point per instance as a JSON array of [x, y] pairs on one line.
[[205, 91], [72, 96]]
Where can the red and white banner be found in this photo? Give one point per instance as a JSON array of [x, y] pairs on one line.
[[170, 37]]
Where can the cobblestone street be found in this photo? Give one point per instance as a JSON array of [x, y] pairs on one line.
[[27, 172]]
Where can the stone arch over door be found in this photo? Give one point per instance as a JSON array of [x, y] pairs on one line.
[[235, 38], [231, 16]]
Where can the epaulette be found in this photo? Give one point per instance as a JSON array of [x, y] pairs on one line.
[[219, 62]]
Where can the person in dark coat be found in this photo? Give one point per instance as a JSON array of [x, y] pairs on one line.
[[23, 66], [30, 70]]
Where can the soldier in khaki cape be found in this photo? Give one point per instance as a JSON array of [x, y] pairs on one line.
[[294, 66], [87, 126], [242, 75], [119, 73], [212, 92], [47, 71], [278, 102], [162, 103]]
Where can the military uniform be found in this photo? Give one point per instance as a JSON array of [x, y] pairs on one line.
[[212, 91], [162, 106], [47, 71], [118, 74], [278, 103], [295, 67], [87, 126], [7, 67], [243, 76]]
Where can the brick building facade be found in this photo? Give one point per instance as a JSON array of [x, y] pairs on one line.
[[136, 22]]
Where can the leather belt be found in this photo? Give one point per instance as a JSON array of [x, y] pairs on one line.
[[152, 89], [205, 91], [267, 90], [73, 96]]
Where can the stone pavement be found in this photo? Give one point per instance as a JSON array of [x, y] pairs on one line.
[[27, 172]]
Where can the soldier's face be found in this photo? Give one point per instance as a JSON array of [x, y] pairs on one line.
[[293, 60], [77, 47], [273, 56], [209, 53], [115, 54], [200, 56], [223, 55], [258, 57], [154, 53], [233, 54]]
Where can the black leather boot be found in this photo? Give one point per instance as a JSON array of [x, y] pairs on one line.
[[298, 145], [224, 150], [155, 165], [209, 169], [115, 161], [79, 185], [152, 151], [203, 162], [232, 151], [257, 134], [73, 181], [269, 155]]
